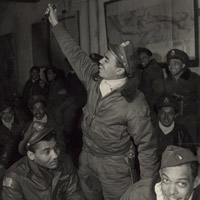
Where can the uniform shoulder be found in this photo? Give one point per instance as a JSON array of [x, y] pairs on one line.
[[18, 166], [66, 163], [14, 173], [139, 102]]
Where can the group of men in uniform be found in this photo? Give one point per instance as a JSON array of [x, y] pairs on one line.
[[115, 112]]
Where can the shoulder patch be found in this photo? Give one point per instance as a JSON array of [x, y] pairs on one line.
[[7, 182]]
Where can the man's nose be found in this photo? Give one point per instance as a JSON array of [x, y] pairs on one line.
[[171, 66], [172, 189], [54, 154], [101, 61]]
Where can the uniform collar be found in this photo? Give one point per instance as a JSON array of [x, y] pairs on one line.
[[159, 194], [165, 129], [107, 86], [43, 120]]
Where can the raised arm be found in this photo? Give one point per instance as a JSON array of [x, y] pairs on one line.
[[79, 60]]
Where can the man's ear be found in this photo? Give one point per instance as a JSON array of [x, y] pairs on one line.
[[160, 171], [120, 71], [31, 155], [176, 115], [183, 66], [196, 182]]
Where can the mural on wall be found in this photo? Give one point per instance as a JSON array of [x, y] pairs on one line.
[[157, 24], [8, 62]]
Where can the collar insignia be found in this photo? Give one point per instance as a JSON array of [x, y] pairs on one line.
[[124, 44], [166, 100], [172, 53]]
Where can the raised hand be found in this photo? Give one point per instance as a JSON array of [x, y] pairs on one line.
[[51, 13]]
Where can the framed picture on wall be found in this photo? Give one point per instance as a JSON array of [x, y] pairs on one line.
[[158, 25]]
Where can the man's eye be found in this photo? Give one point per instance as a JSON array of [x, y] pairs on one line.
[[47, 151], [182, 184], [165, 180]]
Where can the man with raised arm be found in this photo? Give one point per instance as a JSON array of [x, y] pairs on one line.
[[115, 111]]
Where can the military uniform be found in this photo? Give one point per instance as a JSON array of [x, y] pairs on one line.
[[176, 156], [151, 78], [187, 91], [178, 135], [108, 123], [28, 180]]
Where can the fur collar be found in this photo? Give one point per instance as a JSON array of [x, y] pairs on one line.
[[185, 75]]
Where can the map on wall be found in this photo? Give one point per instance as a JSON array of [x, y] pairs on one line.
[[159, 25]]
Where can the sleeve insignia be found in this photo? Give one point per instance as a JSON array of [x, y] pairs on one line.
[[124, 44], [7, 182]]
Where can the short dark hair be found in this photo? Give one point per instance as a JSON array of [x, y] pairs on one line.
[[144, 50], [40, 101], [47, 137], [35, 68], [194, 168], [120, 65]]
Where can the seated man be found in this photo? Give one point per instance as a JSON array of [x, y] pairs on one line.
[[38, 107], [179, 175], [43, 173], [10, 135], [151, 77], [35, 85], [167, 130], [185, 86]]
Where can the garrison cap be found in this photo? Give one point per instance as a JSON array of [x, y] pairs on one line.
[[178, 54], [126, 54], [174, 156], [35, 132], [144, 50], [35, 99], [167, 101]]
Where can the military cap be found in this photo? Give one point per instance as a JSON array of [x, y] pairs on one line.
[[178, 54], [35, 99], [35, 132], [144, 50], [167, 101], [174, 156], [126, 54]]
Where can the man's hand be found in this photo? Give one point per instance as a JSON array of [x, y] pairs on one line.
[[52, 14]]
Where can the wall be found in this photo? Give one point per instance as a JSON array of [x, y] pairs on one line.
[[18, 18], [98, 36]]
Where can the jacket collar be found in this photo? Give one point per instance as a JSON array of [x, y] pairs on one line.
[[185, 75], [128, 90], [150, 62]]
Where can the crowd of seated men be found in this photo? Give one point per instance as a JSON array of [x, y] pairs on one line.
[[40, 127], [170, 105]]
